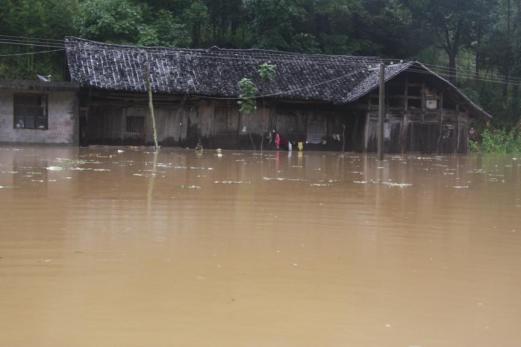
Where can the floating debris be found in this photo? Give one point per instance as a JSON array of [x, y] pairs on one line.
[[54, 168], [397, 185], [320, 185], [283, 179], [191, 187], [232, 182], [461, 187]]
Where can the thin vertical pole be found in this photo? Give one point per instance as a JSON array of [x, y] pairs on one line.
[[151, 103], [343, 138], [381, 113]]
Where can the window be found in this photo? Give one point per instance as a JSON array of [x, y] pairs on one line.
[[30, 111], [136, 125]]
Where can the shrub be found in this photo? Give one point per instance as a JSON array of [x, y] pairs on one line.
[[499, 141]]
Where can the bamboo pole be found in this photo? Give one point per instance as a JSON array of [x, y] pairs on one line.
[[151, 104], [381, 113]]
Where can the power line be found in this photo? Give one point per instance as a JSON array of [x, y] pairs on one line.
[[473, 77], [478, 79], [31, 53], [14, 43], [457, 70], [31, 38], [471, 73]]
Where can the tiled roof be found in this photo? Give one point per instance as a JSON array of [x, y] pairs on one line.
[[215, 72]]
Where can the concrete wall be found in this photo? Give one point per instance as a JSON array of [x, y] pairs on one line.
[[62, 120]]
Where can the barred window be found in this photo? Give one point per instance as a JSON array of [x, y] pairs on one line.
[[30, 111]]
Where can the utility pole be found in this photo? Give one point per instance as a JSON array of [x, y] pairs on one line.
[[381, 113], [151, 102]]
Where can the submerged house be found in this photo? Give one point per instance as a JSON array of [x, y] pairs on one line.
[[324, 101], [38, 112]]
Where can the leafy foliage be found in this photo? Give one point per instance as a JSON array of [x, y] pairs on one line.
[[267, 71], [499, 141], [247, 100]]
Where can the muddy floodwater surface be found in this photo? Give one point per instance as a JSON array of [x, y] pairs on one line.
[[122, 247]]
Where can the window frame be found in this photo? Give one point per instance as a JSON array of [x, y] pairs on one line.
[[41, 121]]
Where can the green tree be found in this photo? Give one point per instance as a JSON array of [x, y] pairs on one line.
[[450, 22], [49, 19], [119, 21]]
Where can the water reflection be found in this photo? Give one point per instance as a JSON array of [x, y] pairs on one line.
[[130, 247]]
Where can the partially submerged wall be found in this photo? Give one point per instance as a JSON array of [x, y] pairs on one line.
[[421, 116], [61, 119], [220, 124]]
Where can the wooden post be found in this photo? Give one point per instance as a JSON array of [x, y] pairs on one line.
[[151, 103], [343, 138], [381, 113], [404, 127]]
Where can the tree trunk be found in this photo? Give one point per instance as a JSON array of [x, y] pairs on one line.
[[452, 67]]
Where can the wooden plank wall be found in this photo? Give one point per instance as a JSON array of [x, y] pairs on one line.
[[410, 126], [219, 124]]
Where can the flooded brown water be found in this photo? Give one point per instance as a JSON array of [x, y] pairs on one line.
[[98, 248]]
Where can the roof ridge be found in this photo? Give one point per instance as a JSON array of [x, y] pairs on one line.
[[71, 39]]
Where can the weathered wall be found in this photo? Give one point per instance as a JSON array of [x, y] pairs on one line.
[[415, 133], [62, 120], [220, 124], [411, 126]]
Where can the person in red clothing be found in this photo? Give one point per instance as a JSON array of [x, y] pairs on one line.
[[276, 139]]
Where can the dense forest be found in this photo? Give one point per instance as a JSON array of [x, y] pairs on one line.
[[475, 43]]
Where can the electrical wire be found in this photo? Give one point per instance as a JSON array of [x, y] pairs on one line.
[[471, 74], [31, 53], [448, 75], [32, 38], [12, 43], [473, 77]]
